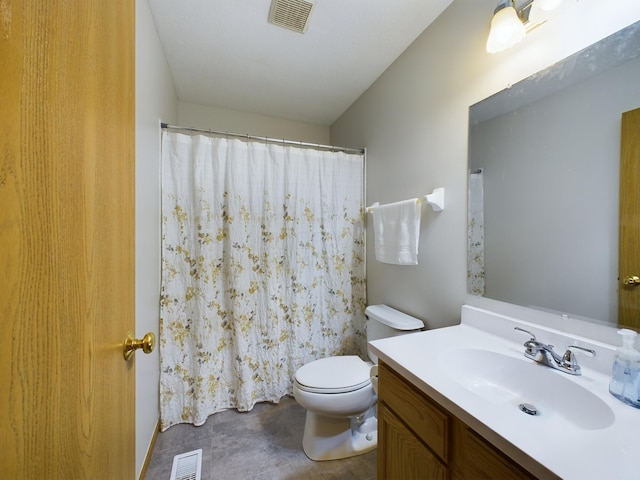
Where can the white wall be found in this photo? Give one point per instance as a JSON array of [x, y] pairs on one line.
[[414, 122], [223, 120], [155, 100]]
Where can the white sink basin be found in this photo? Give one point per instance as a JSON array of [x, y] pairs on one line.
[[510, 381]]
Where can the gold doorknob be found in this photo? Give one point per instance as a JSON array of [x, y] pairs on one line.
[[131, 344], [633, 281]]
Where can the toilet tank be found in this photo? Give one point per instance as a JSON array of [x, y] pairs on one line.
[[384, 321]]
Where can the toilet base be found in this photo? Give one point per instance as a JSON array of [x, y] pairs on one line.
[[329, 438]]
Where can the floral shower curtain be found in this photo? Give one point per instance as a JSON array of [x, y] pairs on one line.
[[475, 233], [262, 269]]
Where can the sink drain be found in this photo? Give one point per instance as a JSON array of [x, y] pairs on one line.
[[528, 408]]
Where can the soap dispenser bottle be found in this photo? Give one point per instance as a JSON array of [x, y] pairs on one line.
[[625, 374]]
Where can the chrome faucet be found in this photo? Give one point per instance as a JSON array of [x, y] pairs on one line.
[[546, 355]]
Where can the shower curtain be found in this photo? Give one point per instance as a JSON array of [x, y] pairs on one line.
[[262, 269], [475, 233]]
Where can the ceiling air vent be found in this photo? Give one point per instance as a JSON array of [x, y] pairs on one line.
[[291, 14]]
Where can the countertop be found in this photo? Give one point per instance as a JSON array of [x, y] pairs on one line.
[[604, 449]]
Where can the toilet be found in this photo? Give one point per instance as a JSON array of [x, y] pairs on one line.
[[339, 393]]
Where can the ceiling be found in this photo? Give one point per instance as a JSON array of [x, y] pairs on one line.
[[225, 53]]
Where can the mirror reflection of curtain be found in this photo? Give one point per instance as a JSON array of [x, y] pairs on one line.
[[475, 261], [262, 269]]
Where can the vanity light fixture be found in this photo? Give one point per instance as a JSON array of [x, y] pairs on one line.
[[508, 22], [507, 28]]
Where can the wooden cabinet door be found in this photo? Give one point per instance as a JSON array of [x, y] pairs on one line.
[[629, 250], [401, 455], [480, 460], [67, 134]]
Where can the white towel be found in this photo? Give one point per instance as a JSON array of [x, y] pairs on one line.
[[396, 229]]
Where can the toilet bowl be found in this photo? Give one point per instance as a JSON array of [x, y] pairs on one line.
[[338, 393], [335, 386]]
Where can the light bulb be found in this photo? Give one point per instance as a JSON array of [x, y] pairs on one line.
[[506, 30]]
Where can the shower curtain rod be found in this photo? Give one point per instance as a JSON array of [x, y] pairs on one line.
[[266, 139]]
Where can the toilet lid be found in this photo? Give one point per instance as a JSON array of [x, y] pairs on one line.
[[334, 374]]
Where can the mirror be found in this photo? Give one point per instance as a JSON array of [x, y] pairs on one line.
[[543, 183]]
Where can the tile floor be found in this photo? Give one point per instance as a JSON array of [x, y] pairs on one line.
[[264, 444]]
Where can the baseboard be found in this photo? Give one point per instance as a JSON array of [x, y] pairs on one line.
[[147, 458]]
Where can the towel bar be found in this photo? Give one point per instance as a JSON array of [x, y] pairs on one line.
[[435, 199]]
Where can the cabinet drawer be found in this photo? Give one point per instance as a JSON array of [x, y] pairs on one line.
[[424, 417]]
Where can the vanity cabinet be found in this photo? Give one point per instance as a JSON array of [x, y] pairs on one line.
[[419, 439]]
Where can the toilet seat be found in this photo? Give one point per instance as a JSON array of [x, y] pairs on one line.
[[341, 374]]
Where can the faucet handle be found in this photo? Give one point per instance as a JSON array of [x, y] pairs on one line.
[[569, 360], [533, 337], [569, 354], [532, 346]]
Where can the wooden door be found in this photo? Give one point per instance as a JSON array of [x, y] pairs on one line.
[[629, 251], [66, 238]]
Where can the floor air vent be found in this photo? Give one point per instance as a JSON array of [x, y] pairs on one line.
[[187, 466], [291, 14]]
